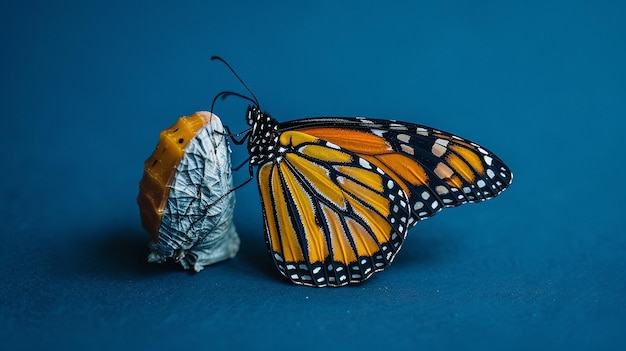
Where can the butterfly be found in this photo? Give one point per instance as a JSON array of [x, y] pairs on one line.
[[340, 194]]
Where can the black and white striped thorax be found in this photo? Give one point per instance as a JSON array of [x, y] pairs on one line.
[[263, 137]]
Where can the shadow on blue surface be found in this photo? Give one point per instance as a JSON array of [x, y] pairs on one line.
[[120, 252]]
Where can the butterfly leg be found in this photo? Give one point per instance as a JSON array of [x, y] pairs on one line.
[[247, 160], [247, 180], [233, 136]]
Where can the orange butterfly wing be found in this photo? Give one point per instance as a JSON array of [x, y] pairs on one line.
[[340, 193], [332, 218]]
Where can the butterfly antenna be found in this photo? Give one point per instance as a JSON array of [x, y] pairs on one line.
[[225, 94], [254, 99]]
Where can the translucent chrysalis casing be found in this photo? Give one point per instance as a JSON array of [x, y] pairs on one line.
[[185, 198]]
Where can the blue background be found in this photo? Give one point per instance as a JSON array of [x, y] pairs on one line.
[[88, 85]]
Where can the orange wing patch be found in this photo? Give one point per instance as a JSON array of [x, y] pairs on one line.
[[371, 179], [268, 176], [319, 176], [461, 167], [323, 153], [342, 249], [406, 168], [314, 238], [470, 157], [288, 241], [365, 245], [378, 202], [353, 140]]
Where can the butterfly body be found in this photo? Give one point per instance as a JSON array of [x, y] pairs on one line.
[[339, 194]]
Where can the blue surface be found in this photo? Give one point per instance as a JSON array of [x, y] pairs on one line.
[[86, 87]]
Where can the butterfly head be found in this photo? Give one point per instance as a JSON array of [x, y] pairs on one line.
[[255, 116]]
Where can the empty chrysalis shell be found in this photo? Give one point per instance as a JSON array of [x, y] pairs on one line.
[[185, 198]]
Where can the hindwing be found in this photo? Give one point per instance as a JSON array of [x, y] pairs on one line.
[[331, 216]]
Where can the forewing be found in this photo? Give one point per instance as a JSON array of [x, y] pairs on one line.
[[436, 169]]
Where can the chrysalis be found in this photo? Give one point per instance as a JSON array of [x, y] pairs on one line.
[[185, 198]]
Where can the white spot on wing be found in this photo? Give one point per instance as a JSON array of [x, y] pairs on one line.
[[378, 132], [441, 190], [439, 147], [488, 160], [331, 145], [407, 149], [404, 138]]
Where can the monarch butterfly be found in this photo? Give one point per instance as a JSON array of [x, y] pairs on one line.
[[184, 197], [339, 194]]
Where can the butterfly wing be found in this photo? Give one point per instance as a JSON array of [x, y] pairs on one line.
[[342, 192], [331, 217], [435, 168]]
